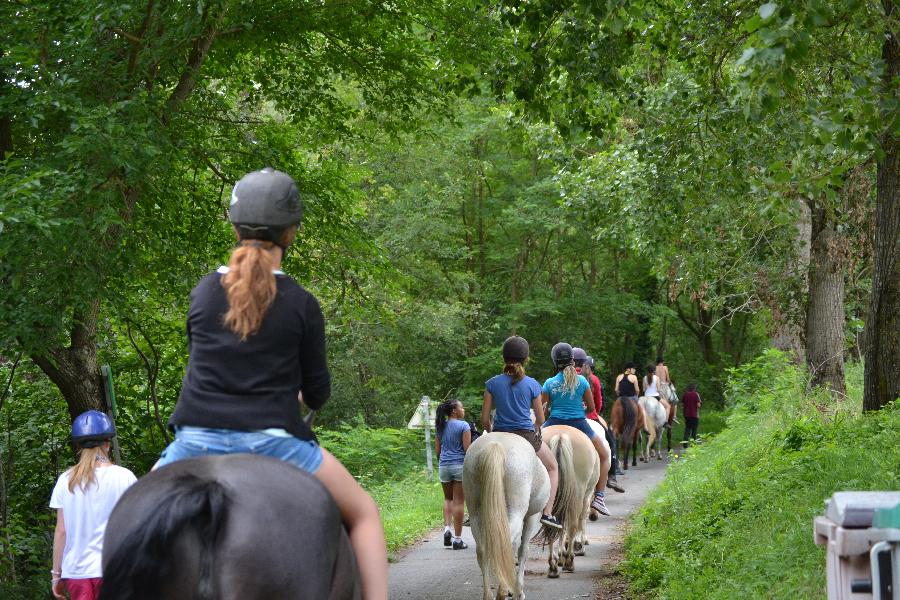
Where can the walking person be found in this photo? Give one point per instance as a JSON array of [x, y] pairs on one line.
[[84, 497], [568, 393], [513, 395], [450, 444], [691, 401], [256, 341]]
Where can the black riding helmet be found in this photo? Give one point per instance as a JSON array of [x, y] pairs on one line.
[[515, 349], [263, 204], [561, 354]]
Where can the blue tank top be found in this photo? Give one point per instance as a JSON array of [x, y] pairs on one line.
[[566, 404], [452, 452]]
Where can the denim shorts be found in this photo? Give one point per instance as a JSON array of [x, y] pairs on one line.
[[191, 442], [452, 472], [579, 424]]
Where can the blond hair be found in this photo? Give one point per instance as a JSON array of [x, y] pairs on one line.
[[570, 376], [82, 475]]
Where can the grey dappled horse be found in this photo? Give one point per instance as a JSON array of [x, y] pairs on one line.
[[230, 527], [506, 487]]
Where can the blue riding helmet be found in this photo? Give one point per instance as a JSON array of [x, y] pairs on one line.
[[92, 427]]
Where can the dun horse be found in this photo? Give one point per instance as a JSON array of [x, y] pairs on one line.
[[226, 528], [579, 469], [506, 487]]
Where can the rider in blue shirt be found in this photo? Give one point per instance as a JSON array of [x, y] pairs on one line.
[[568, 393], [515, 395]]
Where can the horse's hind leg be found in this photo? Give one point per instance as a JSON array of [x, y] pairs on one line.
[[552, 564]]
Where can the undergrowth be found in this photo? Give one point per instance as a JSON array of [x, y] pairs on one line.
[[733, 519], [389, 463]]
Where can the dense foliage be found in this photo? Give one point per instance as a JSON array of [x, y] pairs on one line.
[[637, 178], [735, 516]]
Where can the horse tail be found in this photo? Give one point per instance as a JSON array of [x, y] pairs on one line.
[[144, 558], [567, 504], [496, 538], [630, 418], [649, 424]]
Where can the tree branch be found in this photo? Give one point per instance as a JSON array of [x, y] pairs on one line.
[[188, 79]]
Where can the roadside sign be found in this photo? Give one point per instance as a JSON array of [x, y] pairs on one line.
[[418, 419]]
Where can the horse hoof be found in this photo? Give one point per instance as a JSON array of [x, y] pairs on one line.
[[569, 569], [593, 516], [579, 552], [553, 575]]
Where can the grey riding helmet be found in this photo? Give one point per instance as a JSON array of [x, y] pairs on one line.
[[263, 204], [580, 356]]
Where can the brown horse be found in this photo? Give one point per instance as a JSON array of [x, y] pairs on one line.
[[625, 420]]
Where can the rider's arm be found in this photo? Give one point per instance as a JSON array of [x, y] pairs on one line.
[[538, 409], [616, 387], [316, 386], [466, 439], [486, 424], [545, 401], [588, 399]]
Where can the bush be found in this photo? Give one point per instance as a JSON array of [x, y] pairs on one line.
[[734, 518], [375, 456]]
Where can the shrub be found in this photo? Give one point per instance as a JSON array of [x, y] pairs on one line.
[[734, 518]]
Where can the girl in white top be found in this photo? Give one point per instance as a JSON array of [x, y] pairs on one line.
[[651, 388], [84, 497]]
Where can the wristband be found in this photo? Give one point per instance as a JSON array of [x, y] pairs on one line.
[[52, 572]]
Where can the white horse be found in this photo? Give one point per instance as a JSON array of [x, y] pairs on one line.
[[506, 487], [579, 469], [654, 422], [581, 540]]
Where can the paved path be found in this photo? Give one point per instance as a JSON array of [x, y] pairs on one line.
[[430, 571]]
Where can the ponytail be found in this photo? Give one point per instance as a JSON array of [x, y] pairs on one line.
[[516, 370], [442, 414], [82, 474], [249, 286], [570, 375]]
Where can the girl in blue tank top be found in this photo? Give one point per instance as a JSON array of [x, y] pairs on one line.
[[450, 444]]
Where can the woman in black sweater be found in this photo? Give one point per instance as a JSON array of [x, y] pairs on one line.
[[257, 342]]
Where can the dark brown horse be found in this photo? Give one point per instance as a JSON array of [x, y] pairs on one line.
[[625, 420], [228, 527]]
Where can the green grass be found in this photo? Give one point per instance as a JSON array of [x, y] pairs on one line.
[[409, 508], [734, 518]]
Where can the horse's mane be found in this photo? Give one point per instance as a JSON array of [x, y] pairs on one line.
[[144, 557]]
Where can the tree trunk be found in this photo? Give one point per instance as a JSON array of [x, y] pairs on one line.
[[789, 316], [661, 347], [825, 312], [882, 384], [74, 370]]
